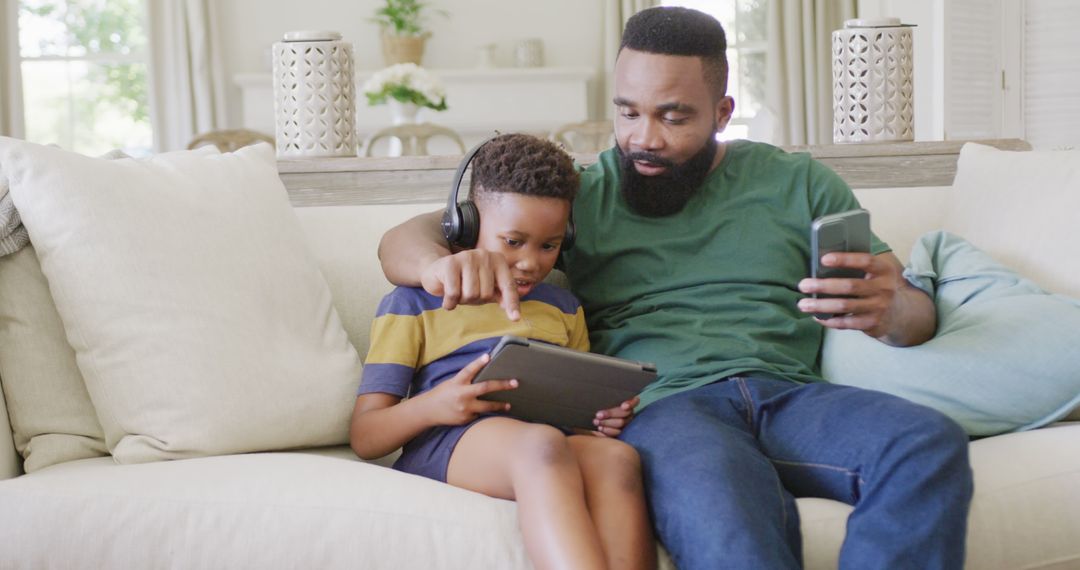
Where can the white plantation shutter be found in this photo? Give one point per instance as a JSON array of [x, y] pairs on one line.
[[1052, 73], [973, 95]]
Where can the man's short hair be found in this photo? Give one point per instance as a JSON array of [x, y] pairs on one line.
[[523, 164], [672, 30]]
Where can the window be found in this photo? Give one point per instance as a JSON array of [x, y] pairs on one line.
[[744, 23], [84, 74]]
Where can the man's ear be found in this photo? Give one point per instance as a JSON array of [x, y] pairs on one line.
[[725, 107]]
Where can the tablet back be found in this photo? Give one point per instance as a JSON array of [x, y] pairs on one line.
[[559, 385]]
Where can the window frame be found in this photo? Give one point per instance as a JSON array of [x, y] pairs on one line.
[[11, 100], [735, 50], [12, 66]]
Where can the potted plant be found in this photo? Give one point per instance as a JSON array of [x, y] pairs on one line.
[[407, 87], [403, 34]]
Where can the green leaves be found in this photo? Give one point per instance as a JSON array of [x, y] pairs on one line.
[[403, 17]]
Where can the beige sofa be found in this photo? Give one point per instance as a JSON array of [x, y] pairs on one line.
[[323, 508]]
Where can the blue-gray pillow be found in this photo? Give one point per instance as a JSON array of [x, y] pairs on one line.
[[1006, 356]]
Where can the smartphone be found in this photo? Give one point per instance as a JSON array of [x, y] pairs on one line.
[[847, 232]]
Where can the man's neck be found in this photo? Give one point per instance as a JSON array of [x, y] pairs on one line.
[[721, 150]]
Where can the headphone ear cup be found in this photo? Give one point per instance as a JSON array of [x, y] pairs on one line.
[[470, 225], [570, 235], [451, 225]]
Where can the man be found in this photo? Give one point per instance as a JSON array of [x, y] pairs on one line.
[[693, 255]]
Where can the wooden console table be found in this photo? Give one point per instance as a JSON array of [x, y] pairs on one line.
[[410, 180]]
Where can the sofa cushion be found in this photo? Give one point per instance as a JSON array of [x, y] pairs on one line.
[[266, 510], [1026, 509], [199, 317], [1004, 357], [52, 419], [308, 509], [1021, 208]]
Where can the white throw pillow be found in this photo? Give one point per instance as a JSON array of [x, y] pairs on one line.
[[52, 418], [1021, 208], [200, 320]]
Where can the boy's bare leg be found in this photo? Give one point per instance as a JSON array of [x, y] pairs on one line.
[[534, 465], [615, 495]]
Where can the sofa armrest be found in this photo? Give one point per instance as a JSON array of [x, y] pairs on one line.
[[10, 462]]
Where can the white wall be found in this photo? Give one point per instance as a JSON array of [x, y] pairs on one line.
[[929, 66], [570, 29]]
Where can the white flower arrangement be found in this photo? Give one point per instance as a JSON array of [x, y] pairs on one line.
[[408, 83]]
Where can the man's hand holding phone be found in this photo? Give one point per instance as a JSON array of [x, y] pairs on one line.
[[852, 289], [855, 303]]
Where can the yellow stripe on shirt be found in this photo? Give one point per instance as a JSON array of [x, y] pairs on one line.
[[446, 331]]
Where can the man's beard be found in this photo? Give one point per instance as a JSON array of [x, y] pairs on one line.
[[664, 194]]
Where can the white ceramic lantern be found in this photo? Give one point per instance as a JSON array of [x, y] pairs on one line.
[[873, 87], [314, 96]]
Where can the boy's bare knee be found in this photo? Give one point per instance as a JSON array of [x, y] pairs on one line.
[[543, 446], [618, 463]]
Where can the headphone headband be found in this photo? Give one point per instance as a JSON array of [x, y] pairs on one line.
[[460, 173], [461, 221]]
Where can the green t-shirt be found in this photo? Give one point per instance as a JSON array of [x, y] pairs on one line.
[[711, 291]]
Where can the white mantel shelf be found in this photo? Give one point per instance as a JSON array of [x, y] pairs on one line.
[[480, 101]]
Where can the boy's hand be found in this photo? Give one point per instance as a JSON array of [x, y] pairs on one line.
[[472, 277], [611, 422], [456, 401]]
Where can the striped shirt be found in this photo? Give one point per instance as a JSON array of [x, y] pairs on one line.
[[416, 344]]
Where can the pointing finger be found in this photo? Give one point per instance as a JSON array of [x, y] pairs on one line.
[[509, 301]]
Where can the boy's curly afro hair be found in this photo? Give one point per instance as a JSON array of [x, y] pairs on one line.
[[523, 164]]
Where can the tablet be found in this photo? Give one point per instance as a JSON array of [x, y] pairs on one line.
[[562, 386]]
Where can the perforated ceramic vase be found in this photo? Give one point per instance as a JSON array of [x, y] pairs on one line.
[[314, 96], [873, 87]]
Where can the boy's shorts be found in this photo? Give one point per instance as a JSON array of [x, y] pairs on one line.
[[428, 454]]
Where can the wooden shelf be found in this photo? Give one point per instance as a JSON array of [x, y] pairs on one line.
[[418, 179]]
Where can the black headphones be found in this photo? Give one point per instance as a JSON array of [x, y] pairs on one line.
[[461, 221]]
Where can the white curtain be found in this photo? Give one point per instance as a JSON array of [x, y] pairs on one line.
[[8, 85], [188, 85], [616, 13], [799, 67]]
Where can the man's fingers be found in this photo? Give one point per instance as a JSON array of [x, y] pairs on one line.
[[470, 284], [486, 282], [853, 260], [508, 291], [836, 286], [451, 281]]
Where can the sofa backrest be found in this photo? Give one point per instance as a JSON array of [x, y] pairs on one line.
[[900, 215], [345, 241]]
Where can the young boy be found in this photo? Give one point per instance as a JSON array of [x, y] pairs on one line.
[[580, 497]]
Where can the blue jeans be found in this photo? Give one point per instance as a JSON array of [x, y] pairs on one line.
[[723, 465]]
